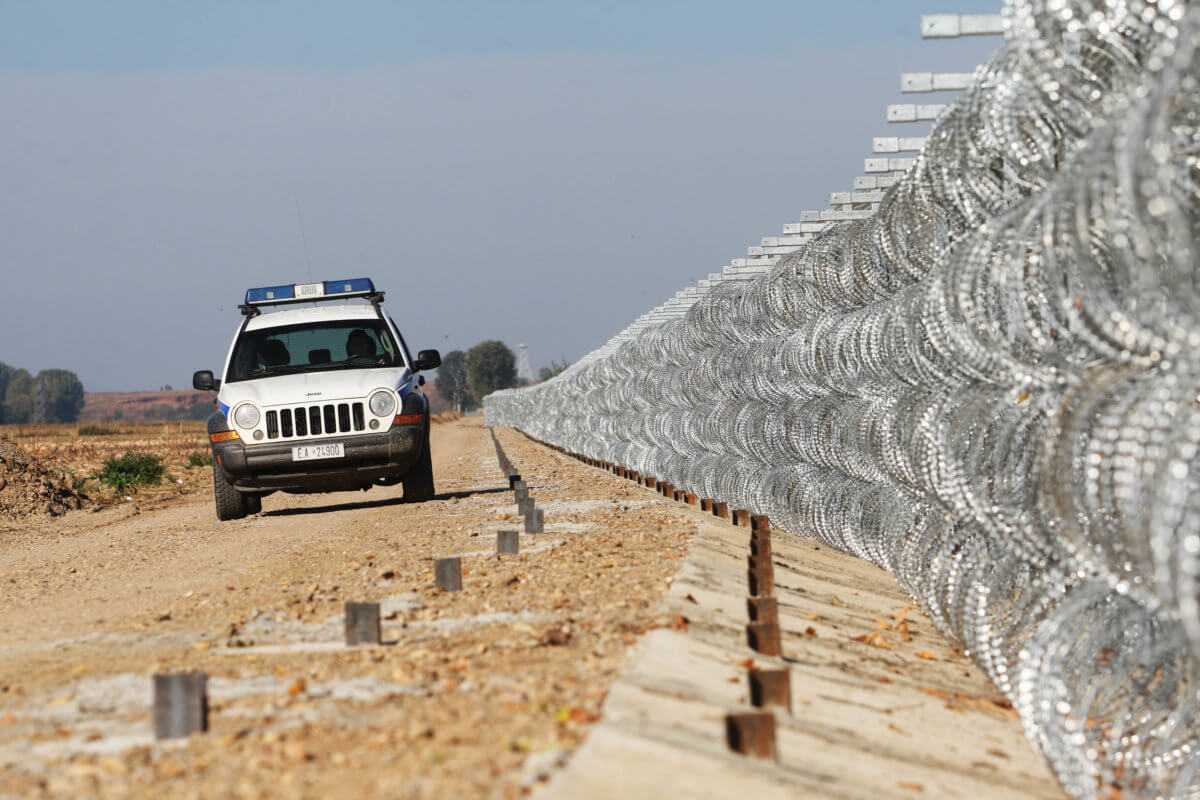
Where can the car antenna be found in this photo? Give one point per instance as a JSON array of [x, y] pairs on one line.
[[303, 237]]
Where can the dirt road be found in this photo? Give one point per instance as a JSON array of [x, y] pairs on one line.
[[472, 694]]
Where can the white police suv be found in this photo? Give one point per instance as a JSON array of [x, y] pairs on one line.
[[320, 398]]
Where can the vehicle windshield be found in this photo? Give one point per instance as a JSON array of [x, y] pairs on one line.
[[313, 347]]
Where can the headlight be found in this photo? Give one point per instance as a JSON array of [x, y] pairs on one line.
[[382, 403], [246, 416]]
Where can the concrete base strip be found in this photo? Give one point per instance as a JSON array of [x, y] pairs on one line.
[[882, 705]]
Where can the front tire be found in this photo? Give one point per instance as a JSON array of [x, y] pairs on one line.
[[231, 504], [418, 483]]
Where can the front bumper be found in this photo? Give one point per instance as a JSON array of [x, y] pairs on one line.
[[369, 457]]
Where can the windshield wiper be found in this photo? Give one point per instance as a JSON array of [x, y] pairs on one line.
[[341, 365], [322, 367], [269, 371]]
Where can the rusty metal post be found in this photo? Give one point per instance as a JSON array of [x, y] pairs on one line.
[[751, 733], [771, 687], [741, 518], [760, 545], [447, 573], [180, 704], [761, 576], [762, 609], [720, 509], [763, 637]]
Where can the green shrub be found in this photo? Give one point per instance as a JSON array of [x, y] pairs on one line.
[[98, 430], [131, 469], [199, 459]]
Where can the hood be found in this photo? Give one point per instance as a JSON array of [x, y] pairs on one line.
[[315, 387]]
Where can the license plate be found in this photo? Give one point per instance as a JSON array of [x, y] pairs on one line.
[[314, 452]]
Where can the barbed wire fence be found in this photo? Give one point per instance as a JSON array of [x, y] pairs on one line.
[[988, 388]]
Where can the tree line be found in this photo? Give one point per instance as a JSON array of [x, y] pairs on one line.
[[464, 379], [53, 395]]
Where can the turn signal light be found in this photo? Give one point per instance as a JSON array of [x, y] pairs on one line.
[[407, 419], [223, 436]]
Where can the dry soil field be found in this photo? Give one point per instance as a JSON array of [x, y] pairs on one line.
[[473, 694], [42, 466]]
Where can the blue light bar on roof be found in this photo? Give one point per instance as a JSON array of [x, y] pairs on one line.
[[353, 285], [310, 292], [270, 294]]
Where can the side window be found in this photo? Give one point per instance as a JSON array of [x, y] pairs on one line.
[[386, 345], [243, 355]]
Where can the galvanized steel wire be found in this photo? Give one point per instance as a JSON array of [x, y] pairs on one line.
[[990, 388]]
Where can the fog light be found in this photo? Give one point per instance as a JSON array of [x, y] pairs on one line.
[[258, 435], [374, 424]]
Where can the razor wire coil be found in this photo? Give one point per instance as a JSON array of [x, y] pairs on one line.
[[989, 388]]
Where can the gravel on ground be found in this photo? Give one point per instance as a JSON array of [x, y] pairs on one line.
[[477, 693]]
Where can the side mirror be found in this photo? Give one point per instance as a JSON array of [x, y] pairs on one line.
[[428, 359], [203, 380]]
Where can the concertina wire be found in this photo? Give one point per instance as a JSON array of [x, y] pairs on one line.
[[989, 388]]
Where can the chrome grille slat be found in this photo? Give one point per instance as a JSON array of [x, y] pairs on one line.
[[305, 421]]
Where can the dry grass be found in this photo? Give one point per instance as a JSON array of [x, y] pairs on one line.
[[60, 447]]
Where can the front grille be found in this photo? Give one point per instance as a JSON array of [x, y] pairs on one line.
[[289, 423]]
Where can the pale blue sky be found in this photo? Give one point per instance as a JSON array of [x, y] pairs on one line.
[[536, 171]]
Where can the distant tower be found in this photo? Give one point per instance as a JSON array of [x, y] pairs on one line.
[[524, 371], [39, 402]]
